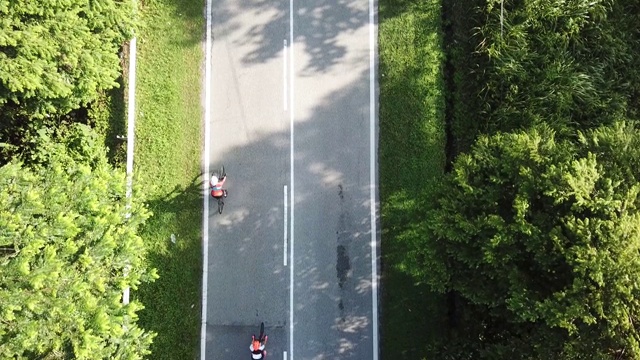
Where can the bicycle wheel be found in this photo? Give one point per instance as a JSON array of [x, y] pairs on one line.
[[220, 205], [219, 173]]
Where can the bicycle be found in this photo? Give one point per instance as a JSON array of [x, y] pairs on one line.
[[216, 189], [258, 344]]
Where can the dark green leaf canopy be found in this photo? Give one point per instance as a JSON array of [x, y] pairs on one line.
[[68, 248], [56, 55], [541, 238]]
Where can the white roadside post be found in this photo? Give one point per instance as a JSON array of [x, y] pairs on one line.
[[131, 107]]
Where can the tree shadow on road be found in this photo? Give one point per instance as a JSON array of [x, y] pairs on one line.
[[318, 27], [333, 279]]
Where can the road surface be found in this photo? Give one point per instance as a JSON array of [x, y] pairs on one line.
[[292, 115]]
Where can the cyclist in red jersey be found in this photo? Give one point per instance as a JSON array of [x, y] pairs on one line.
[[257, 348], [216, 187]]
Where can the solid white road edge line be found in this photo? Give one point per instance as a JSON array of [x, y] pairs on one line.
[[284, 249], [205, 169], [284, 75], [291, 116], [372, 177]]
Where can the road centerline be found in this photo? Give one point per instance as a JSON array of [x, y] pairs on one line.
[[292, 182], [284, 75], [285, 226]]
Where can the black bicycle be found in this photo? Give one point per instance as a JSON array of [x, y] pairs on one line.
[[258, 343], [219, 194]]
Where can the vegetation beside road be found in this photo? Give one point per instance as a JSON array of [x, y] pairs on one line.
[[411, 157], [69, 242], [60, 91], [168, 166], [538, 98]]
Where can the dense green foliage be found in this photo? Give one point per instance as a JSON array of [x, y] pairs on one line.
[[571, 64], [56, 56], [533, 235], [59, 63], [58, 59], [540, 237], [68, 248]]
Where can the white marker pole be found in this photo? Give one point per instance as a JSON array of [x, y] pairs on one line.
[[131, 116], [291, 117]]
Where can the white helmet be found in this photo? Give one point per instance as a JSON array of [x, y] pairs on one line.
[[214, 180]]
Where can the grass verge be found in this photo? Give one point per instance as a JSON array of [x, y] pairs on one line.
[[412, 155], [167, 164]]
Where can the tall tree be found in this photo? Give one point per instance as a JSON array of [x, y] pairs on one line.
[[540, 237], [68, 248], [56, 55]]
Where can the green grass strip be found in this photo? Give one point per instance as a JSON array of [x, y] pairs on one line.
[[412, 156], [167, 164]]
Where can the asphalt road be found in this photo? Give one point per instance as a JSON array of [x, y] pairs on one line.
[[290, 118]]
